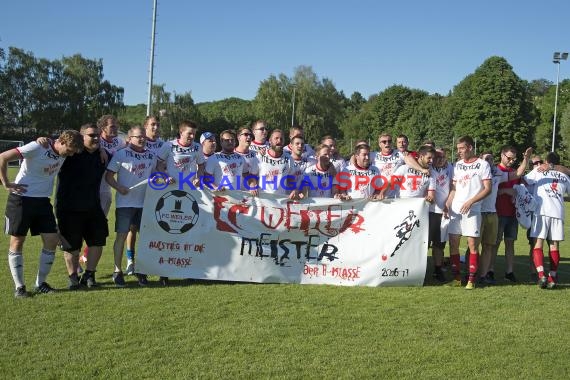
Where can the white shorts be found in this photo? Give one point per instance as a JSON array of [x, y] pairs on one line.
[[106, 200], [547, 228], [465, 224]]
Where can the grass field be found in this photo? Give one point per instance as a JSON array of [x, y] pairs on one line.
[[219, 330]]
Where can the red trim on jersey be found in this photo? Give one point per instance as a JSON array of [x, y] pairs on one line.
[[258, 143], [470, 162], [182, 145], [360, 168], [19, 153]]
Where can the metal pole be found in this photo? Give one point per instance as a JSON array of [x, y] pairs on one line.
[[555, 105], [151, 66], [293, 112]]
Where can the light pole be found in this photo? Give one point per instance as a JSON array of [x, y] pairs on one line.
[[151, 64], [556, 60], [293, 102]]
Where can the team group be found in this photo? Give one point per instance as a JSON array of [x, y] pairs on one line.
[[473, 198]]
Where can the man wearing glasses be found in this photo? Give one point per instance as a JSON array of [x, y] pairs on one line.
[[389, 159], [78, 207], [506, 211], [130, 166], [260, 132], [227, 169]]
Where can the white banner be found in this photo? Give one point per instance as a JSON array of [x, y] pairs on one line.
[[232, 236]]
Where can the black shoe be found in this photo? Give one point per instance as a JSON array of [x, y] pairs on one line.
[[164, 281], [439, 276], [91, 283], [143, 280], [490, 278], [511, 277], [44, 288], [119, 280], [73, 283], [21, 292]]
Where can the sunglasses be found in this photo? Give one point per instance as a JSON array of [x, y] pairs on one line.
[[261, 129], [245, 134], [537, 162], [386, 141], [92, 135]]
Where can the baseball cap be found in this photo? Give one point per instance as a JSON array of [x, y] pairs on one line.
[[207, 136]]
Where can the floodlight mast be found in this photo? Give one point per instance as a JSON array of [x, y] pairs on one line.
[[556, 58], [151, 65]]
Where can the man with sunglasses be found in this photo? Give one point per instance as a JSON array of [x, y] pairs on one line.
[[78, 207], [506, 211], [389, 159]]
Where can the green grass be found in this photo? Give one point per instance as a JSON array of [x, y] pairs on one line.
[[220, 330]]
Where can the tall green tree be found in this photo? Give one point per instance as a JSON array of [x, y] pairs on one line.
[[318, 106], [494, 106]]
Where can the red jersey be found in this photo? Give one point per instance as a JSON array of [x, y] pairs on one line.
[[504, 204]]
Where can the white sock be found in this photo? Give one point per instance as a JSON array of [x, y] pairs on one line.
[[46, 260], [16, 263]]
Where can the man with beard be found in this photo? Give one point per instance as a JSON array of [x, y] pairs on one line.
[[276, 168], [317, 180]]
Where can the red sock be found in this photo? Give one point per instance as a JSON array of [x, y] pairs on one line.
[[473, 260], [538, 259], [554, 260], [456, 266]]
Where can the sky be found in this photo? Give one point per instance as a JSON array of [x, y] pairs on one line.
[[218, 49]]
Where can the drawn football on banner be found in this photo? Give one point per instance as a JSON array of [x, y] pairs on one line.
[[177, 212]]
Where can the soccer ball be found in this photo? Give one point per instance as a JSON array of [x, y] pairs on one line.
[[177, 212]]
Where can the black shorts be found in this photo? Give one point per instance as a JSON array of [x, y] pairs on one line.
[[435, 230], [76, 226], [25, 214]]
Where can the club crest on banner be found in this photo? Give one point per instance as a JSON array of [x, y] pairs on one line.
[[177, 212]]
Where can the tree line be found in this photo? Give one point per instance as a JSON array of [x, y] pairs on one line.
[[492, 104]]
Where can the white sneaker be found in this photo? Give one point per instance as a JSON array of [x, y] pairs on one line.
[[130, 271]]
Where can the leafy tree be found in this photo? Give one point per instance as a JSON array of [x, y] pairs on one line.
[[228, 113], [318, 105], [494, 106], [545, 105]]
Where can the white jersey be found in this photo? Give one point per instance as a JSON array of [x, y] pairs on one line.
[[550, 187], [156, 146], [274, 171], [318, 182], [257, 147], [132, 168], [301, 165], [442, 177], [182, 158], [227, 169], [348, 178], [308, 151], [469, 179], [387, 164], [38, 170], [497, 177], [414, 184], [111, 146], [251, 161], [338, 163]]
